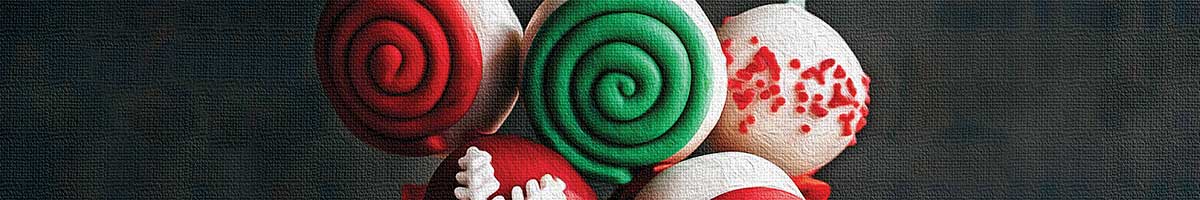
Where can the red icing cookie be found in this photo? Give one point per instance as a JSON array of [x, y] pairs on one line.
[[418, 77], [507, 167]]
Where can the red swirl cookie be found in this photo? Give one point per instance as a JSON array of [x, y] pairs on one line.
[[416, 77]]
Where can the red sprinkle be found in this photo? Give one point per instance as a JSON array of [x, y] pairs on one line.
[[744, 74], [743, 99], [764, 59], [800, 109], [818, 110], [864, 111], [850, 87], [774, 89], [795, 63], [866, 82], [862, 121], [726, 19], [827, 63], [839, 72], [743, 126], [765, 95], [805, 128], [801, 93], [753, 39], [853, 141], [760, 83], [813, 73], [775, 104], [845, 119], [818, 97], [838, 99], [735, 84]]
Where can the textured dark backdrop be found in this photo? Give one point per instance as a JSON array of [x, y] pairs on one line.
[[972, 99]]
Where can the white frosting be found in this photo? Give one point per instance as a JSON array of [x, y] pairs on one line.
[[709, 176], [499, 32], [479, 179], [477, 175]]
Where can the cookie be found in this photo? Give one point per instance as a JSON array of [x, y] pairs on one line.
[[417, 77], [620, 85]]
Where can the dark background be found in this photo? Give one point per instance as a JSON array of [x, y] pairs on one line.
[[972, 99]]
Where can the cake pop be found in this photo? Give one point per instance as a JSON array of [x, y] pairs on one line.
[[797, 93]]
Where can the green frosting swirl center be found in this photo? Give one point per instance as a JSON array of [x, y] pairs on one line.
[[615, 85]]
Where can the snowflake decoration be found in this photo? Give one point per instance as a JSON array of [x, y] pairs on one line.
[[480, 180]]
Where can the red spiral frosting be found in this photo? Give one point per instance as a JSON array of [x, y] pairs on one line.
[[399, 72]]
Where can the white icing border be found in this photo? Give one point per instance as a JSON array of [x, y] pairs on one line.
[[709, 176]]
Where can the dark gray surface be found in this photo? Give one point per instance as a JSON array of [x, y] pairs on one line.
[[971, 99]]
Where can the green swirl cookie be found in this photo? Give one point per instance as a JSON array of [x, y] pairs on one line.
[[615, 85]]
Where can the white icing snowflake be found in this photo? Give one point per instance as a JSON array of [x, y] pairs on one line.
[[480, 180]]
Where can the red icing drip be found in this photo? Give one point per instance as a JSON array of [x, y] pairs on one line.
[[862, 119], [775, 104], [866, 81], [726, 19], [862, 122], [850, 87], [853, 141], [845, 119], [743, 99], [839, 72], [753, 39], [795, 63], [725, 44], [805, 128], [840, 100]]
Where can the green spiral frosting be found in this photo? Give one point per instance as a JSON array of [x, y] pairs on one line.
[[614, 85]]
